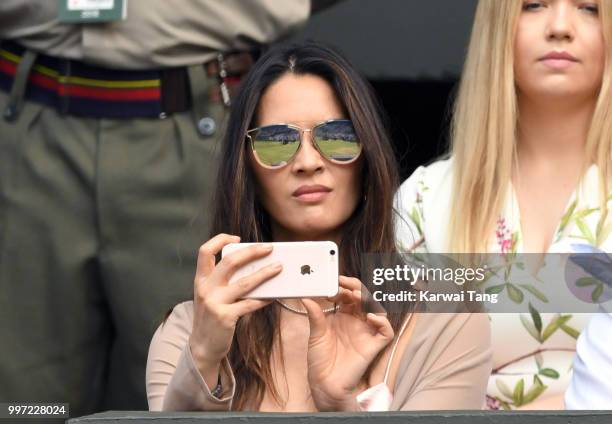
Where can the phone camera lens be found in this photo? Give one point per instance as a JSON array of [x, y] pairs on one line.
[[332, 252]]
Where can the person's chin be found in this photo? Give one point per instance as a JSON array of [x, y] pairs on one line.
[[561, 88], [314, 224]]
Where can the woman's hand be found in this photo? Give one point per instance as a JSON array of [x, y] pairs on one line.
[[341, 348], [218, 304]]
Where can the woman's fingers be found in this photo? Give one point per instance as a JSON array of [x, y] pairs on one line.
[[246, 306], [343, 296], [243, 286], [350, 283], [207, 252], [234, 261], [355, 287], [381, 324], [361, 295], [349, 300], [316, 318]]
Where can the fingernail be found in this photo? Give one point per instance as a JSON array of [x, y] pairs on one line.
[[276, 265], [266, 246]]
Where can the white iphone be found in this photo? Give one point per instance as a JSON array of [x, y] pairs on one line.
[[310, 269]]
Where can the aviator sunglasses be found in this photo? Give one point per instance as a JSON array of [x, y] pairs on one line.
[[274, 146]]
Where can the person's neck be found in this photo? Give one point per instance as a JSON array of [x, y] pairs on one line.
[[553, 133], [280, 234]]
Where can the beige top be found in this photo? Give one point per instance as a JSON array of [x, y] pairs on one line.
[[156, 33], [444, 365]]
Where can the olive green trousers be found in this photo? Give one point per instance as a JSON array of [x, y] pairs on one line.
[[100, 223]]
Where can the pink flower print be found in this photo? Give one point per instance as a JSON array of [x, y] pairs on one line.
[[504, 237], [493, 403]]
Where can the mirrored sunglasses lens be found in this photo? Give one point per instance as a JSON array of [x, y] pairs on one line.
[[274, 145], [338, 141]]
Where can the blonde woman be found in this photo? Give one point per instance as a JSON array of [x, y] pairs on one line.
[[529, 167]]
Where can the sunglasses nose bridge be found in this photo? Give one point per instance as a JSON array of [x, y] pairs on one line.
[[308, 150], [311, 139], [303, 137], [303, 131]]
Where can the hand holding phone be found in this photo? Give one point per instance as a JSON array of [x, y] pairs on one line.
[[218, 305], [310, 269]]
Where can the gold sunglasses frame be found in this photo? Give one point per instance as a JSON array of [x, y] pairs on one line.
[[301, 131]]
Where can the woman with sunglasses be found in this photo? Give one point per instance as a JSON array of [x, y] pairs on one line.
[[530, 171], [306, 157]]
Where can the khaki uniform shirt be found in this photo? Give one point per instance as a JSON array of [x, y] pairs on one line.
[[156, 33]]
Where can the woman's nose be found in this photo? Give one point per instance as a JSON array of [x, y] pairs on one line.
[[308, 158], [561, 21]]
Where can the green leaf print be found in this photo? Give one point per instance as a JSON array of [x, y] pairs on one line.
[[519, 394], [586, 231], [535, 390], [515, 241], [530, 328], [586, 281], [416, 219], [535, 316], [570, 331], [584, 213], [568, 215], [549, 372], [537, 293], [554, 325], [597, 292], [495, 289], [516, 295], [503, 388]]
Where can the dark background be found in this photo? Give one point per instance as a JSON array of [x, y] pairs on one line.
[[412, 52]]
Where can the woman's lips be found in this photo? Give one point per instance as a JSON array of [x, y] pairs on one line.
[[558, 63], [558, 60], [311, 193]]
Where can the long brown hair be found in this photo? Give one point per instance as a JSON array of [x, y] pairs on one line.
[[239, 212]]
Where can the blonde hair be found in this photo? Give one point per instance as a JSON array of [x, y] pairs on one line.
[[484, 127]]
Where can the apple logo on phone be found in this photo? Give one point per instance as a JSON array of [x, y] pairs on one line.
[[306, 269]]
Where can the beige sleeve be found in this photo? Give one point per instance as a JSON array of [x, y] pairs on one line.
[[172, 378], [446, 365]]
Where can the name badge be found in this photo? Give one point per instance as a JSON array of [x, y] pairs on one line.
[[89, 11]]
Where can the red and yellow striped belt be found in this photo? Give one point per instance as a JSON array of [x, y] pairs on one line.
[[77, 88]]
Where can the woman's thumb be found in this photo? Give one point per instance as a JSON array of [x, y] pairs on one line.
[[316, 318]]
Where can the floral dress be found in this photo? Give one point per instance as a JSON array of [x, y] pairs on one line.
[[532, 352]]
